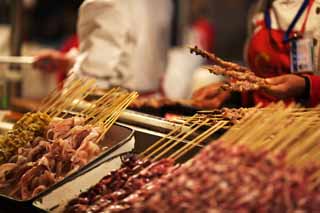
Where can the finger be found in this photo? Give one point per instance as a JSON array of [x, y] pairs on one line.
[[198, 93], [213, 93], [277, 91], [207, 93], [208, 104], [276, 80], [213, 103]]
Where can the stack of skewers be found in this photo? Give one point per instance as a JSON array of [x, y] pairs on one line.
[[254, 167], [46, 146], [154, 163]]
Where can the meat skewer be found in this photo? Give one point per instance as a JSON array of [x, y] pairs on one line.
[[217, 60], [112, 182], [233, 176], [24, 131], [241, 76], [246, 80], [43, 148], [240, 86], [228, 179], [240, 81], [67, 145], [119, 184]]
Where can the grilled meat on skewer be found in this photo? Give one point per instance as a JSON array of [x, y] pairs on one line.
[[212, 57], [66, 146]]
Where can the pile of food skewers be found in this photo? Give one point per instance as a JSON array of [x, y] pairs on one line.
[[23, 132], [45, 147], [119, 184], [263, 171], [65, 146]]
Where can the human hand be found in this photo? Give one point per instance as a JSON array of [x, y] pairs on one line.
[[52, 61], [210, 97], [286, 86]]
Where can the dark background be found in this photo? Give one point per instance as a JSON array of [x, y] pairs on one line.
[[51, 21]]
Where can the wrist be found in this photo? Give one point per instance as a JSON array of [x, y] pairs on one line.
[[305, 94]]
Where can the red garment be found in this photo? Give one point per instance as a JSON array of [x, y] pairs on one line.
[[268, 56], [205, 32], [314, 96], [68, 44]]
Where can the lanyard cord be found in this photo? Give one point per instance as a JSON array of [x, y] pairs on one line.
[[303, 7]]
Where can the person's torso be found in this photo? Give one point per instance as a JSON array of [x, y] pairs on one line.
[[282, 14], [144, 42], [151, 25], [267, 54]]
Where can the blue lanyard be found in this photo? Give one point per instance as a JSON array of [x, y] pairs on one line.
[[286, 37]]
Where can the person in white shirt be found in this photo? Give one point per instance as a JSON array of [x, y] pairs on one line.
[[122, 43]]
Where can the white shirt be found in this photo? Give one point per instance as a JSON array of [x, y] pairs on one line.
[[124, 42]]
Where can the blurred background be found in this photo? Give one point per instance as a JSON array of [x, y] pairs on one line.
[[51, 22], [28, 26]]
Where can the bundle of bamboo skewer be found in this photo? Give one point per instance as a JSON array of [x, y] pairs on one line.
[[230, 174], [103, 112], [291, 131], [269, 162], [182, 139], [153, 163], [54, 146]]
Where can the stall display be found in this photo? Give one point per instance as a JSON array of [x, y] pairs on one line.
[[257, 170], [133, 175], [263, 171], [45, 147], [23, 132], [136, 172], [66, 146], [228, 179], [265, 161]]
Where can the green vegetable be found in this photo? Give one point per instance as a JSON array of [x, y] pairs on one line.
[[30, 126]]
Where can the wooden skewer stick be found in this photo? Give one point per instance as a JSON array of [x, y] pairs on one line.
[[95, 104], [176, 141], [54, 92], [115, 105], [171, 134], [70, 98], [104, 103], [52, 98], [76, 85], [185, 149], [77, 102], [311, 141], [161, 144], [114, 116], [285, 137]]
